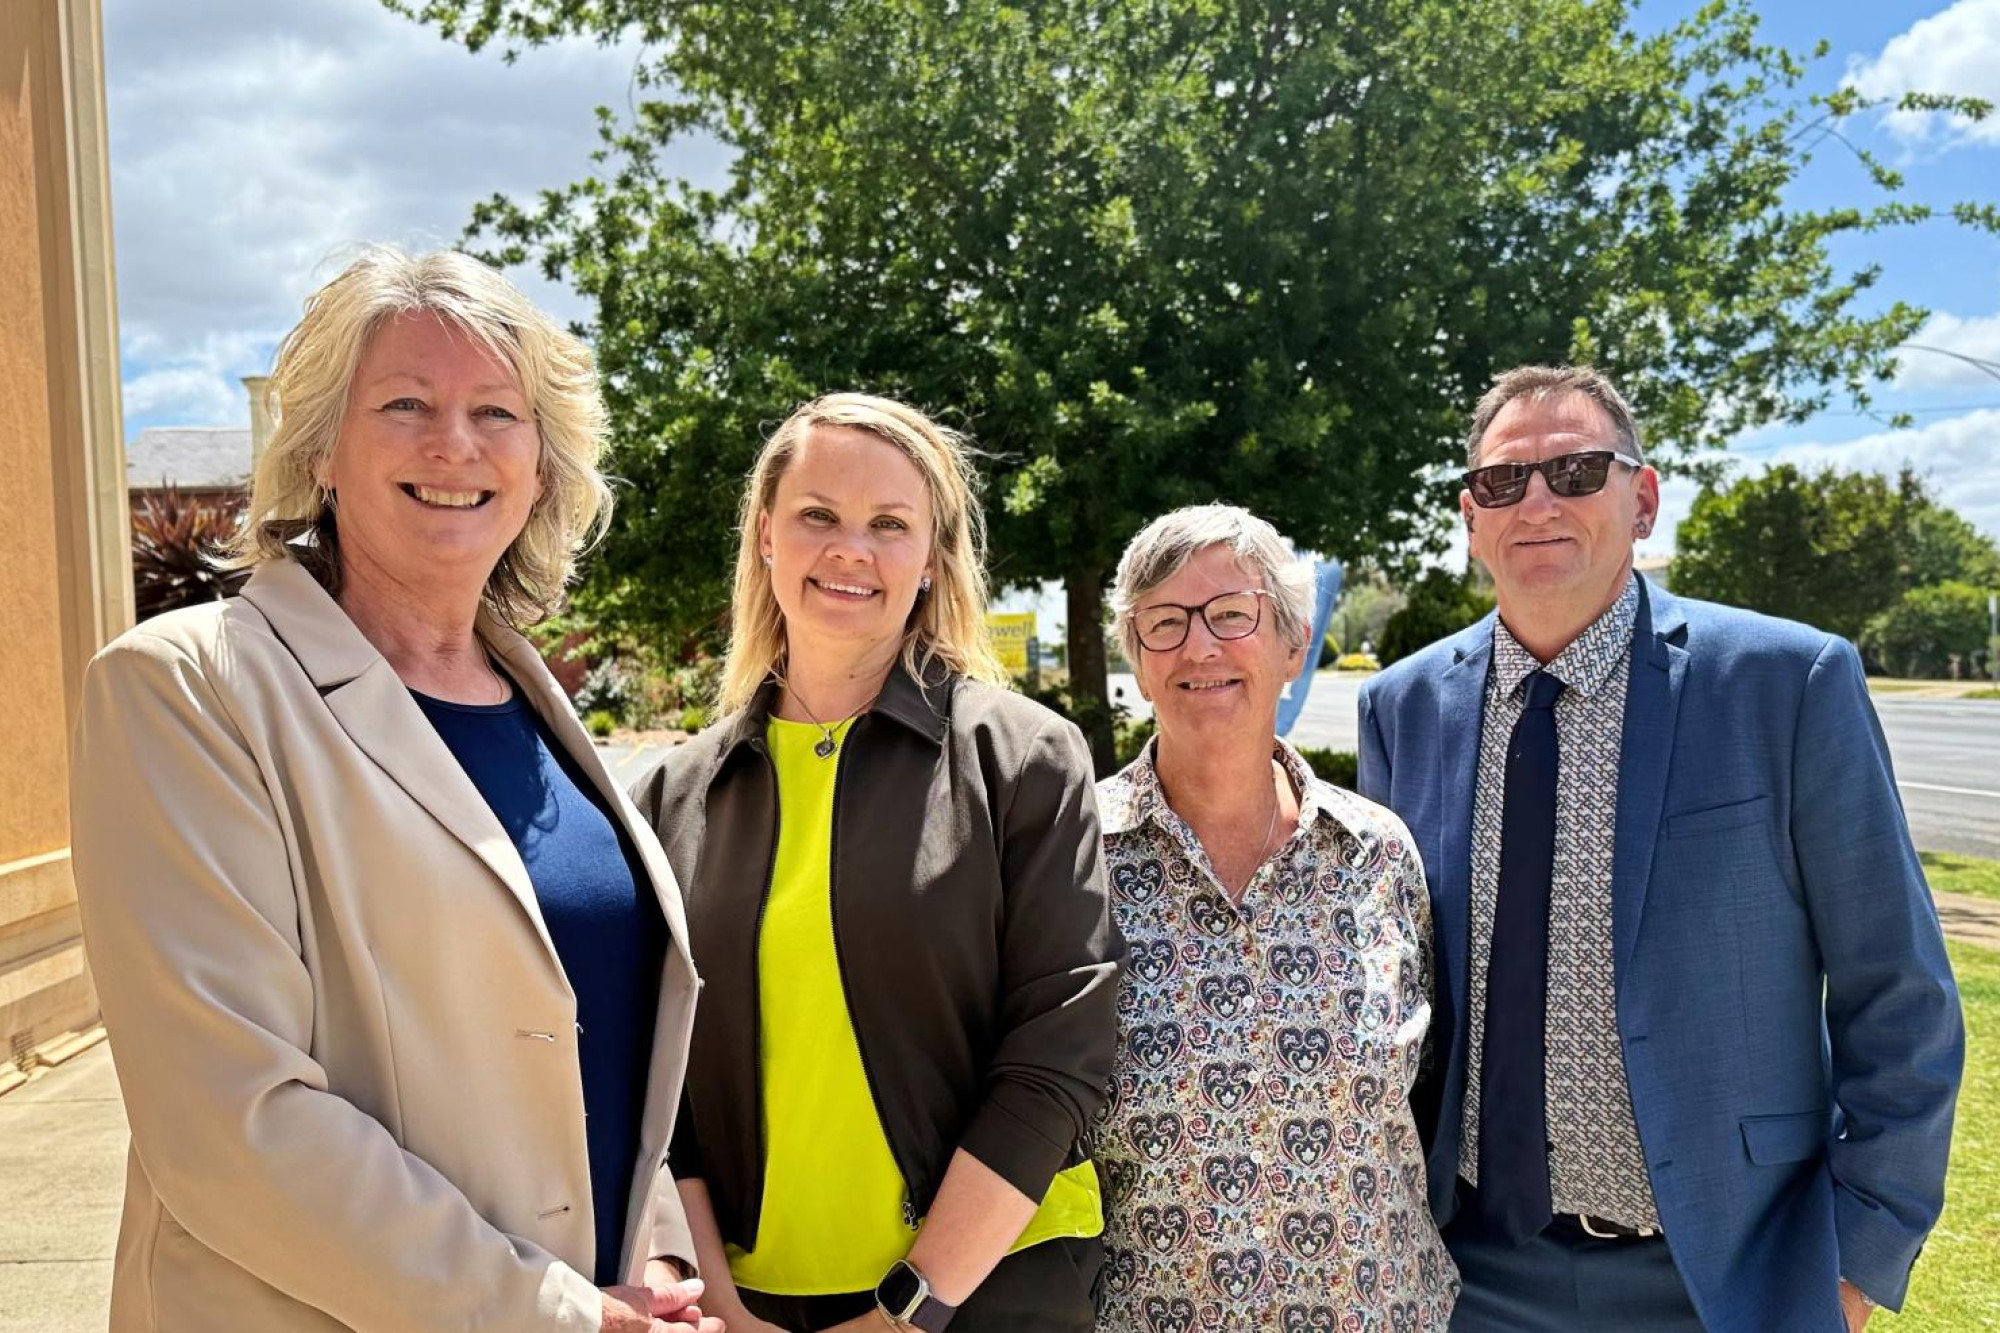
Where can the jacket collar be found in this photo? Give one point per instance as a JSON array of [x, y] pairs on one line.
[[1132, 796], [327, 643], [922, 706], [374, 707], [311, 624], [1652, 708]]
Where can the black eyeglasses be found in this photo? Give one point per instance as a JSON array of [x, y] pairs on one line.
[[1163, 626], [1569, 475]]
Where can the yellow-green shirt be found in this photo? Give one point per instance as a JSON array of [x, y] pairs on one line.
[[831, 1219]]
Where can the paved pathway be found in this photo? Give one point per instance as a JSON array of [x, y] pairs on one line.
[[62, 1175], [1969, 920]]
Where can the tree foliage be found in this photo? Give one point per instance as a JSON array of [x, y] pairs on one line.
[[1929, 630], [1161, 251], [1440, 603], [1830, 548]]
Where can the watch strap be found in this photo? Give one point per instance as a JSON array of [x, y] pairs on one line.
[[928, 1313], [931, 1315]]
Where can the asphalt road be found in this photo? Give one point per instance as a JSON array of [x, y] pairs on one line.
[[1946, 752], [1947, 757]]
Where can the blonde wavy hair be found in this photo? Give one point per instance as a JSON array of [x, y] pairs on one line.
[[947, 626], [308, 395]]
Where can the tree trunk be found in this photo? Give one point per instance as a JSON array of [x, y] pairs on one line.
[[1090, 702]]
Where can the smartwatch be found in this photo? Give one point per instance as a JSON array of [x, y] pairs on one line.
[[904, 1295]]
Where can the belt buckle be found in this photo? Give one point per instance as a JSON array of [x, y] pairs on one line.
[[1634, 1233]]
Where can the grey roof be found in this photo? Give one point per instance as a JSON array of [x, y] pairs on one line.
[[197, 457]]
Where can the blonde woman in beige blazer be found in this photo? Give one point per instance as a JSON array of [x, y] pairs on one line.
[[347, 1041]]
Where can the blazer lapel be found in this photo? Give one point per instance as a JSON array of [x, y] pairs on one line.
[[1652, 702], [525, 665], [374, 707], [1461, 713]]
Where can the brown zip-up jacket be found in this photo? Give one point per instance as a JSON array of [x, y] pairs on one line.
[[970, 920]]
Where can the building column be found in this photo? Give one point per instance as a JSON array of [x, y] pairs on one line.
[[65, 543]]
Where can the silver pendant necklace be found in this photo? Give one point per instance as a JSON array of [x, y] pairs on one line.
[[826, 745]]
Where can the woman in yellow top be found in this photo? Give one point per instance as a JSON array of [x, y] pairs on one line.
[[893, 870]]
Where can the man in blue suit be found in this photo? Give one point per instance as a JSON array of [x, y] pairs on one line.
[[1696, 1043]]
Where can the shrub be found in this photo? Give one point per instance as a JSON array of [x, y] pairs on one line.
[[1357, 662], [1125, 731], [1336, 766], [1440, 603], [174, 541], [600, 723], [692, 718], [1129, 737], [607, 688], [1927, 630], [1329, 653]]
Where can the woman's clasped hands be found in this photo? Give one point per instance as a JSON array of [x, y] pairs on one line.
[[666, 1304]]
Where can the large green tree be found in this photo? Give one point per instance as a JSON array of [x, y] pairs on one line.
[[1831, 548], [1160, 251]]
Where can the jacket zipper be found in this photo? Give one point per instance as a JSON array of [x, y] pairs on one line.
[[757, 971], [846, 991]]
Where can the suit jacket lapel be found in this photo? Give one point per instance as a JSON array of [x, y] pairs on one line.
[[374, 707], [525, 665], [1652, 702], [1461, 713]]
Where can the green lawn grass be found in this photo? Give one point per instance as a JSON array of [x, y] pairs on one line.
[[1951, 873], [1956, 1286]]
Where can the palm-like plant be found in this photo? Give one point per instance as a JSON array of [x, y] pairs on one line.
[[175, 539]]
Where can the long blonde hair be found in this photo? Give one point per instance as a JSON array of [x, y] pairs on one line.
[[308, 395], [948, 624]]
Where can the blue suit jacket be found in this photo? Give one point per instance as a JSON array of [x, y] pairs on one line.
[[1791, 1031]]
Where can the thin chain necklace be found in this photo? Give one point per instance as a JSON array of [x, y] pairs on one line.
[[1257, 862], [826, 745]]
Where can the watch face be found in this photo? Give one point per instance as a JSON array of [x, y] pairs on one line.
[[900, 1292]]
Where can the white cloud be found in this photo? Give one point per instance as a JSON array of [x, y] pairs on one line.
[[254, 144], [1955, 51], [1978, 337], [1959, 457]]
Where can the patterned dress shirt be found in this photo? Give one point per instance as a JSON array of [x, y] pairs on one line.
[[1596, 1165], [1262, 1165]]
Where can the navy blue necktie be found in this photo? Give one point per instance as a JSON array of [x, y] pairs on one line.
[[1513, 1111]]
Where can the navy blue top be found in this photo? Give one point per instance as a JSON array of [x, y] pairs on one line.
[[602, 916]]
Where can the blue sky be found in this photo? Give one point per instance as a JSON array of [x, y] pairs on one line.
[[254, 144]]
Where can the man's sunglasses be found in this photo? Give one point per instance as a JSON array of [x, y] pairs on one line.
[[1569, 475]]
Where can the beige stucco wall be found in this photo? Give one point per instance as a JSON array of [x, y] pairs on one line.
[[64, 567]]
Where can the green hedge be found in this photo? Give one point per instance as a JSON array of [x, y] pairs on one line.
[[1335, 766]]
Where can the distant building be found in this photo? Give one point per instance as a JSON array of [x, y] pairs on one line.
[[208, 462]]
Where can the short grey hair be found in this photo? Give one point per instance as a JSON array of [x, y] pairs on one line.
[[1164, 547], [1549, 382]]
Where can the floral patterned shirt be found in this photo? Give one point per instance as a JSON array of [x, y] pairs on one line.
[[1262, 1164]]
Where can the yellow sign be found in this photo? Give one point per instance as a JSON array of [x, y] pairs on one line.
[[1011, 632]]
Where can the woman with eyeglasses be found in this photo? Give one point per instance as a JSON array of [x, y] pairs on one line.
[[1262, 1160]]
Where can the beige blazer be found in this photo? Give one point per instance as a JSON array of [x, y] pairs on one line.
[[347, 1048]]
